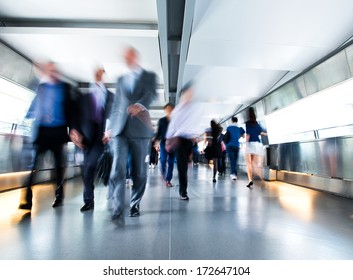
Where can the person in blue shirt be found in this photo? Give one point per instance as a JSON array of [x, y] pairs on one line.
[[52, 110], [167, 158], [195, 154], [254, 149], [234, 133]]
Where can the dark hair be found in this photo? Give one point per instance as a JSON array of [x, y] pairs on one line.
[[252, 116], [234, 119], [168, 105], [187, 86], [213, 124], [216, 128]]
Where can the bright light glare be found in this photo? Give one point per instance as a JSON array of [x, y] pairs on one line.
[[326, 109], [297, 201], [14, 102]]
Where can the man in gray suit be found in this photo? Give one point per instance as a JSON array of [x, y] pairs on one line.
[[129, 129]]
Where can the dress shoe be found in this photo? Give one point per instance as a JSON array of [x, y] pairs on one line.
[[250, 185], [87, 206], [118, 219], [57, 202], [25, 206], [134, 211]]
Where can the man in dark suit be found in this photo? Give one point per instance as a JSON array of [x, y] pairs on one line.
[[88, 133], [52, 110], [130, 129]]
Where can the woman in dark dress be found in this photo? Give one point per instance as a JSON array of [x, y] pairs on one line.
[[213, 150]]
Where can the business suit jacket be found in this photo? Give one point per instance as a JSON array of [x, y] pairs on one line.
[[119, 121], [90, 128]]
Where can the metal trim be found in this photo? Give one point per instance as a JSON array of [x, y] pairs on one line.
[[330, 185], [109, 24]]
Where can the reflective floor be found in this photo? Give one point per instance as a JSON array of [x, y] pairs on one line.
[[222, 220]]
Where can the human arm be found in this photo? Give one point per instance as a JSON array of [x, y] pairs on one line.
[[242, 132], [147, 94], [107, 136], [77, 138]]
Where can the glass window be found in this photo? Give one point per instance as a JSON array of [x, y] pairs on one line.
[[330, 108], [14, 103]]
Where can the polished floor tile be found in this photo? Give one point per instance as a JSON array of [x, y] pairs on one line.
[[222, 220]]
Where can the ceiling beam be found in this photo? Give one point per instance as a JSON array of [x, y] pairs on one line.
[[163, 43], [170, 19], [109, 24], [185, 41]]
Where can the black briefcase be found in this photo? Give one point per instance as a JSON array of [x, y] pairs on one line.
[[104, 166]]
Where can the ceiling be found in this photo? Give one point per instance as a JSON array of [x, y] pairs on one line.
[[237, 51]]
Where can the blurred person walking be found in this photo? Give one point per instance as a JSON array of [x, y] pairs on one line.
[[129, 129], [182, 131], [195, 154], [92, 111], [153, 154], [52, 110], [213, 150], [233, 134], [222, 160], [254, 149], [166, 158]]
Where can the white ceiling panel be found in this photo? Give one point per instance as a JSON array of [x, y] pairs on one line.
[[78, 53], [221, 84], [121, 10], [252, 56], [313, 23]]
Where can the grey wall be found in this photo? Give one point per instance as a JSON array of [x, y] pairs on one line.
[[332, 157]]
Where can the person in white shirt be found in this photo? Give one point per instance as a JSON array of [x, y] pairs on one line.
[[182, 131]]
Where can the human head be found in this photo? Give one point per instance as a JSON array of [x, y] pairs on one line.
[[187, 92], [213, 124], [98, 74], [51, 71], [131, 56], [168, 108], [234, 119], [252, 116]]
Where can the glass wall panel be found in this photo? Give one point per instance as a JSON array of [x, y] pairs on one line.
[[330, 108], [332, 71], [15, 67], [14, 103]]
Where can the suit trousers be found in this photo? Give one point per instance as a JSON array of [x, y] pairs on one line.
[[91, 156], [40, 149], [233, 154], [166, 158], [138, 150], [183, 152]]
